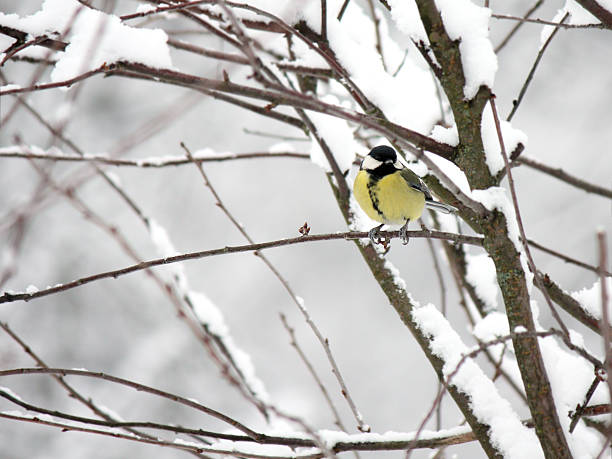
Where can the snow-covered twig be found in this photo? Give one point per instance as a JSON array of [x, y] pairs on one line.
[[19, 151], [297, 300], [544, 22], [372, 442]]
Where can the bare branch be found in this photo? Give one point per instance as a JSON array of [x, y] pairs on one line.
[[7, 297], [564, 176], [139, 387], [293, 342], [515, 29], [566, 258], [523, 90]]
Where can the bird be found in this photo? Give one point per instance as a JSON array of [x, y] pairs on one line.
[[392, 194]]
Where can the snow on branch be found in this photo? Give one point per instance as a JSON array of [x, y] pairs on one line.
[[507, 432], [95, 38]]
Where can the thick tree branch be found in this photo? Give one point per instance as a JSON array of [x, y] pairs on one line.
[[597, 10], [494, 226]]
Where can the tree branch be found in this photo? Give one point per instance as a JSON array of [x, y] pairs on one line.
[[565, 177]]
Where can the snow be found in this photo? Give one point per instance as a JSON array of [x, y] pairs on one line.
[[409, 98], [570, 377], [578, 15], [407, 19], [281, 147], [447, 222], [442, 134], [208, 314], [110, 413], [333, 437], [511, 136], [10, 392], [507, 432], [469, 23], [397, 278], [9, 87], [31, 289], [87, 49], [206, 311], [482, 275], [451, 171], [590, 298], [493, 326], [161, 240]]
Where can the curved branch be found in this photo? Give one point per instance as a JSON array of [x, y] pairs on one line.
[[8, 297]]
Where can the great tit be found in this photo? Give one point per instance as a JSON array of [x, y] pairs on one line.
[[391, 193]]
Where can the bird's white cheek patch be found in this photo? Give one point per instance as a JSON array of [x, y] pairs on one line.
[[370, 163]]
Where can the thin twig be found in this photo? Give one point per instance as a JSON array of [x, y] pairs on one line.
[[340, 446], [567, 259], [87, 401], [293, 342], [343, 9], [581, 409], [25, 152], [139, 387], [376, 22], [324, 20], [349, 235], [564, 176], [515, 29], [544, 22], [272, 268], [130, 425], [519, 99]]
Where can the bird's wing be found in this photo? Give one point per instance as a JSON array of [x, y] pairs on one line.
[[415, 182]]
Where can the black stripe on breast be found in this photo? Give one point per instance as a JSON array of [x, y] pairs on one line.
[[371, 184]]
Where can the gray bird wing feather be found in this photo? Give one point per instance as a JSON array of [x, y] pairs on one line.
[[416, 183]]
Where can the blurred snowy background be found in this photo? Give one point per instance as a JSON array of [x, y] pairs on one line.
[[128, 328]]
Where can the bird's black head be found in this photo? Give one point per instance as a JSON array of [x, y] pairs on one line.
[[382, 160], [383, 153]]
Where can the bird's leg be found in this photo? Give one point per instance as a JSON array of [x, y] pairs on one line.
[[403, 232], [374, 235]]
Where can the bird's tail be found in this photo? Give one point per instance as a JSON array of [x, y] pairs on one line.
[[440, 207]]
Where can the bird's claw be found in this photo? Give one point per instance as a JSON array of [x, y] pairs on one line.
[[403, 233], [374, 235]]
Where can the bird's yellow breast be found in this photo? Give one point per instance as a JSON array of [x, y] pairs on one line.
[[389, 200]]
